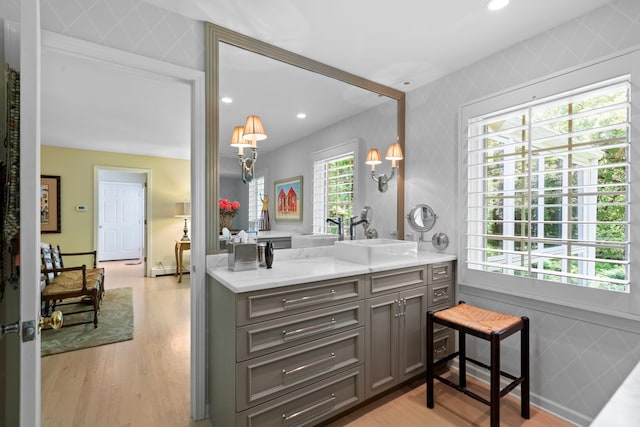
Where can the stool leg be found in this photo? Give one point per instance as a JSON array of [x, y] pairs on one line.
[[462, 359], [524, 368], [429, 367], [495, 380]]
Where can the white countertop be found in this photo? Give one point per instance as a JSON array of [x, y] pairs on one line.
[[293, 266], [623, 409]]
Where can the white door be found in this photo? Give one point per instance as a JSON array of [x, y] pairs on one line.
[[121, 220]]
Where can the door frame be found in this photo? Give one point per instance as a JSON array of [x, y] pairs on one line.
[[195, 79], [31, 41], [147, 237]]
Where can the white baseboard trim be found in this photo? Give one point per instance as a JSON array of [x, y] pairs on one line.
[[546, 405], [167, 270]]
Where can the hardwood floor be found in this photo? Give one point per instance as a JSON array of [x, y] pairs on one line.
[[406, 407], [145, 382]]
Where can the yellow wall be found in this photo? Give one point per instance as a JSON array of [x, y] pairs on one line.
[[170, 183]]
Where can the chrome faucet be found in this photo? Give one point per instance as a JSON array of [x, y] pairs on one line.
[[354, 223], [339, 223]]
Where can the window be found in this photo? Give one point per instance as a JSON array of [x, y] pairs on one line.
[[333, 191], [547, 188], [256, 193]]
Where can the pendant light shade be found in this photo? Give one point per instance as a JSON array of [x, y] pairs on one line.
[[236, 138], [254, 130], [394, 152]]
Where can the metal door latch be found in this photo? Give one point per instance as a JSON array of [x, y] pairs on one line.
[[28, 331]]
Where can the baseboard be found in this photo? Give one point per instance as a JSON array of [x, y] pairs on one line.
[[166, 271], [536, 400]]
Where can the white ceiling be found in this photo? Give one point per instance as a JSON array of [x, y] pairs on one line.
[[89, 105]]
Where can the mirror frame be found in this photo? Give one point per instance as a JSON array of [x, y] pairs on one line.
[[214, 35]]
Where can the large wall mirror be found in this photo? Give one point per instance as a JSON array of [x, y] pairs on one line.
[[276, 84]]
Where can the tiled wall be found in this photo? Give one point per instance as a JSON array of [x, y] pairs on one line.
[[130, 25], [576, 362]]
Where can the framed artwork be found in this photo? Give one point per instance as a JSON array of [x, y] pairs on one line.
[[288, 199], [49, 204]]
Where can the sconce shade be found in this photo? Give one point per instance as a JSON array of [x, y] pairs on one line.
[[254, 130], [183, 210], [394, 152], [236, 138], [373, 157]]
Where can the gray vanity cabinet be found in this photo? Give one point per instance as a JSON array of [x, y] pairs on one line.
[[395, 327], [297, 355], [291, 355], [396, 306]]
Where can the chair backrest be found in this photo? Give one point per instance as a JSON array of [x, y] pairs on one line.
[[50, 259]]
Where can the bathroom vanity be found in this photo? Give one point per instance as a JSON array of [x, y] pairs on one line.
[[315, 335]]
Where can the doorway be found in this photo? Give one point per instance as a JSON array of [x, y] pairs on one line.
[[122, 214]]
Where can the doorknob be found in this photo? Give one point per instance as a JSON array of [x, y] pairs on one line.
[[55, 321]]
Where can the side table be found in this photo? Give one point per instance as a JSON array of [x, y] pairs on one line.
[[181, 246]]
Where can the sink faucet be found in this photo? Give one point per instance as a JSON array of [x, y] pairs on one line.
[[354, 223], [339, 223]]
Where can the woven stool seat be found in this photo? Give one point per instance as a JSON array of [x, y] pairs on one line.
[[478, 319]]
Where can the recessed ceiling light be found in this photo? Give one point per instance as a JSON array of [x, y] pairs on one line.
[[301, 115], [226, 100], [497, 4]]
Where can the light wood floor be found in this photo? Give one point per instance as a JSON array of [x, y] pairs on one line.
[[145, 382]]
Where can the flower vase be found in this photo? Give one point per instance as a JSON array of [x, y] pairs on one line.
[[225, 221]]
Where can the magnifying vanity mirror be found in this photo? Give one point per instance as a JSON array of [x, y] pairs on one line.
[[278, 80], [422, 218]]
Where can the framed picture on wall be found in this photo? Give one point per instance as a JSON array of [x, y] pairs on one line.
[[49, 204], [288, 199]]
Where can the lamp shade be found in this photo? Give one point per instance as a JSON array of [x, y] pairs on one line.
[[254, 130], [183, 209], [236, 138], [373, 157], [394, 152]]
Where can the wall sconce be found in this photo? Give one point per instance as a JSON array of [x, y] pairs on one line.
[[394, 153], [183, 210], [246, 137]]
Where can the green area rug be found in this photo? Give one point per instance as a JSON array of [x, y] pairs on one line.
[[115, 324]]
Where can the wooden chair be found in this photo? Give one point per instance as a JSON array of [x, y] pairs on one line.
[[66, 283]]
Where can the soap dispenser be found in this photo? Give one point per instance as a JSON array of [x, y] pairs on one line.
[[268, 253]]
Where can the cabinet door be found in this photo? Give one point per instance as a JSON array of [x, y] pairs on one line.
[[412, 332], [381, 343]]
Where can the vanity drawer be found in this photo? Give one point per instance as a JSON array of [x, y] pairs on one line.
[[275, 374], [272, 303], [444, 343], [310, 405], [439, 272], [260, 338], [441, 293], [395, 280]]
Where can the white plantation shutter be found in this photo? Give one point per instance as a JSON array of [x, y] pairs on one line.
[[333, 191], [548, 188]]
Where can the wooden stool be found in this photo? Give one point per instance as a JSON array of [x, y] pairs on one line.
[[493, 327]]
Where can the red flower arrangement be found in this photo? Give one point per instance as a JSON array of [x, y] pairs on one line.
[[228, 207]]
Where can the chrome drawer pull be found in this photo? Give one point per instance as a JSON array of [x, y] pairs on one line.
[[309, 299], [440, 349], [309, 329], [286, 417], [438, 293], [309, 365]]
